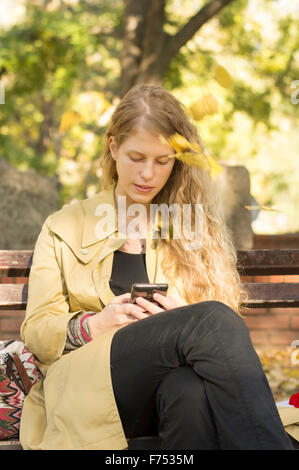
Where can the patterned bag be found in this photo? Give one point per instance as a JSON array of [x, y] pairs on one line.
[[18, 372]]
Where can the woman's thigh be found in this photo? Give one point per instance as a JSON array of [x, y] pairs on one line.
[[136, 372], [138, 366], [144, 352]]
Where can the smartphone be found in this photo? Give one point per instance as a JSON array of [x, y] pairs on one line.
[[147, 290]]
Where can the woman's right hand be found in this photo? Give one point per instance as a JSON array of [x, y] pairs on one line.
[[118, 313]]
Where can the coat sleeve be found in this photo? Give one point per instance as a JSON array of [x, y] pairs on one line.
[[44, 328]]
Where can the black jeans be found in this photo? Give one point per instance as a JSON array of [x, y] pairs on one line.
[[192, 375]]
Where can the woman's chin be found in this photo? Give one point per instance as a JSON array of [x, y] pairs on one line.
[[144, 197]]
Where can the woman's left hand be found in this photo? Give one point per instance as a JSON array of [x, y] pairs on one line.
[[167, 303]]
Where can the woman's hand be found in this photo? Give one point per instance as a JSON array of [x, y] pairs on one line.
[[166, 302], [119, 312]]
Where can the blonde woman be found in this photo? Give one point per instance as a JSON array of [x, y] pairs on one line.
[[183, 366]]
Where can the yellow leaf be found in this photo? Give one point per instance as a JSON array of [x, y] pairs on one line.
[[196, 158], [223, 77], [179, 143], [215, 168], [206, 105], [68, 120], [263, 208]]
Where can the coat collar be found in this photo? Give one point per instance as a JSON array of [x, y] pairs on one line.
[[81, 226], [93, 229]]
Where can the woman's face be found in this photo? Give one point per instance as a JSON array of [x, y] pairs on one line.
[[141, 161]]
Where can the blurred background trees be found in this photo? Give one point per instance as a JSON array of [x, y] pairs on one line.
[[233, 63]]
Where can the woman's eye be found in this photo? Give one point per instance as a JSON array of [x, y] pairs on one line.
[[141, 159], [135, 159]]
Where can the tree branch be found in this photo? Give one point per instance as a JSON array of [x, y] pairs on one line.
[[195, 23]]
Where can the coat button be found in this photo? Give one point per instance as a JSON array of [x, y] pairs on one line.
[[84, 251]]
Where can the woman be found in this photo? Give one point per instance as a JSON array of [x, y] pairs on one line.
[[184, 366]]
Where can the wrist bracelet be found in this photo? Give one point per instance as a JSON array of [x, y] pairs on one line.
[[83, 332]]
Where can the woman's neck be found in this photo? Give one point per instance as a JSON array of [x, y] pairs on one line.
[[128, 204], [134, 246]]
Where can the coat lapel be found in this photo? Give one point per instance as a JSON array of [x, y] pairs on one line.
[[97, 241]]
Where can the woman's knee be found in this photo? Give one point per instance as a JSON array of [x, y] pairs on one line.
[[219, 313]]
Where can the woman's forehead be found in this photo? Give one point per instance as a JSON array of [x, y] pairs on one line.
[[141, 138]]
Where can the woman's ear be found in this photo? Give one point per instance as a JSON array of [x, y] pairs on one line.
[[112, 146]]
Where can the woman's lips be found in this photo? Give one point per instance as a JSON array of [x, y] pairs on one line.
[[143, 190]]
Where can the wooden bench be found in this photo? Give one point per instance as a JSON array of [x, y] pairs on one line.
[[13, 296]]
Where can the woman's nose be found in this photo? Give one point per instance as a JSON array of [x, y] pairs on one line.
[[147, 171]]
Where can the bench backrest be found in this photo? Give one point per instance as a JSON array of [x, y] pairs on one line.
[[16, 264]]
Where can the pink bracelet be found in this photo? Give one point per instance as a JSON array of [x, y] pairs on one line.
[[83, 332]]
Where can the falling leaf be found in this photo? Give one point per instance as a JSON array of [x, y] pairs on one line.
[[262, 208], [196, 158], [68, 120], [206, 105], [215, 168], [180, 143], [193, 159], [223, 77]]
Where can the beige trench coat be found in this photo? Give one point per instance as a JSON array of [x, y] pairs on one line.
[[73, 406]]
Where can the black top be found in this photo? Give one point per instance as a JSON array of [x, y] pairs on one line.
[[127, 268]]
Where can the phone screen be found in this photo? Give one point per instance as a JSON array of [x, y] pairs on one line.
[[147, 291]]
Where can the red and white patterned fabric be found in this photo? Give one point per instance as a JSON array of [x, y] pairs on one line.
[[13, 388]]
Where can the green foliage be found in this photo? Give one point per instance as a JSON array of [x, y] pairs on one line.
[[257, 105], [65, 58], [47, 60], [174, 77]]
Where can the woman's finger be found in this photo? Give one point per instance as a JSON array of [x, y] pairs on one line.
[[166, 301], [132, 312], [139, 315], [133, 309], [149, 306]]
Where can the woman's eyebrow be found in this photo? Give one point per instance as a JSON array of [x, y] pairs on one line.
[[142, 154]]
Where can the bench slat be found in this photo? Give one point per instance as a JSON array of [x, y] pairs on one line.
[[263, 294], [13, 296], [252, 262], [10, 445], [15, 263], [267, 262], [271, 294]]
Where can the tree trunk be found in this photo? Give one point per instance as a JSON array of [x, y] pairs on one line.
[[44, 135], [147, 49], [134, 20]]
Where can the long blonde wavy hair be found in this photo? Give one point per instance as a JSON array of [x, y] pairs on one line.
[[210, 272]]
